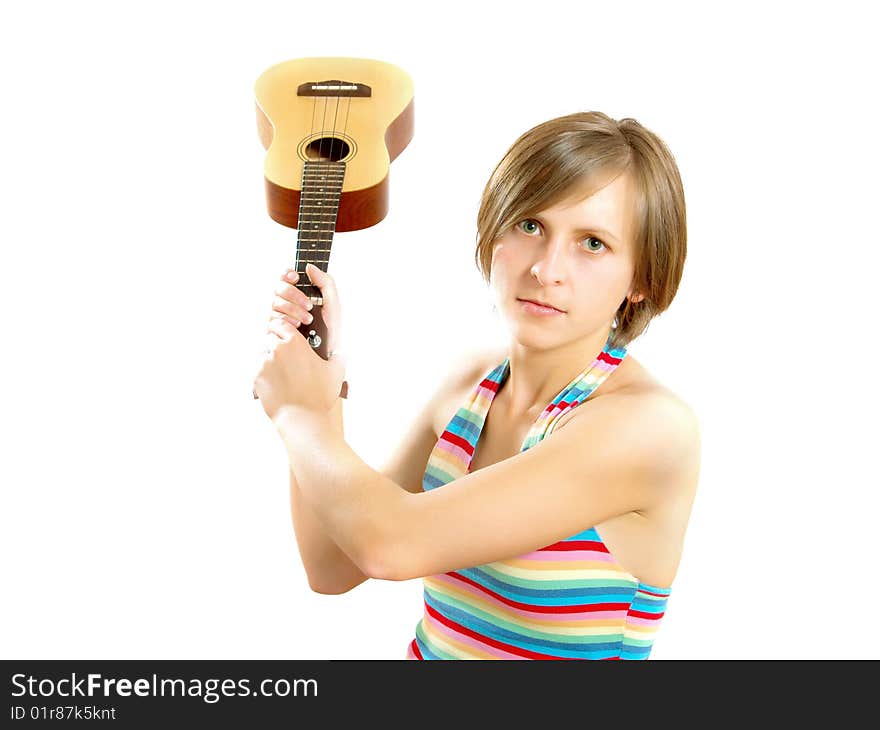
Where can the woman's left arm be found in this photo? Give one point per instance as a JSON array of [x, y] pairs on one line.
[[607, 462]]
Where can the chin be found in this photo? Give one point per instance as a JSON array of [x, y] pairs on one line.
[[533, 335]]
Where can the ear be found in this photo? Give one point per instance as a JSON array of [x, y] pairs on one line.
[[634, 298]]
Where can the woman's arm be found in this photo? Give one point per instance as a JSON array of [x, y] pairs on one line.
[[329, 569], [614, 459]]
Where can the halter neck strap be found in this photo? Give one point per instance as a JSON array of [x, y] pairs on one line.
[[577, 391], [454, 451]]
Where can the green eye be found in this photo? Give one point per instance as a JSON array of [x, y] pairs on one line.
[[530, 222]]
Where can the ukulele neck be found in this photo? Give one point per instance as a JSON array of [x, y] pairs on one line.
[[319, 205]]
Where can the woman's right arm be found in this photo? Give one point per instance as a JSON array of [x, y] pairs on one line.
[[329, 569]]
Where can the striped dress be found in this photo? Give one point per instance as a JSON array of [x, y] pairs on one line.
[[569, 600]]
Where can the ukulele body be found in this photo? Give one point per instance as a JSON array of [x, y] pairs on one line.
[[365, 132]]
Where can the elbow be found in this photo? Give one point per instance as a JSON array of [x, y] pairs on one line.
[[394, 563], [380, 570], [327, 591], [384, 556], [383, 563], [362, 568]]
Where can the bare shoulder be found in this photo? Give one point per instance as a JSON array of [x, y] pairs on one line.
[[406, 464], [675, 428], [466, 374], [671, 426], [639, 388]]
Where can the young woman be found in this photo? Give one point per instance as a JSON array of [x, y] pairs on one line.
[[543, 493]]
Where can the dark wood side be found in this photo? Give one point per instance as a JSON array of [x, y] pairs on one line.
[[357, 208], [400, 131]]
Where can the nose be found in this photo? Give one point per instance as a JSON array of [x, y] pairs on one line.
[[551, 264]]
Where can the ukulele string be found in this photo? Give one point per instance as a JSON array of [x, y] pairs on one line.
[[330, 156], [347, 110], [323, 122], [332, 139], [320, 152]]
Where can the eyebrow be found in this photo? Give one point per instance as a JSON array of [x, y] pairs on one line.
[[592, 229]]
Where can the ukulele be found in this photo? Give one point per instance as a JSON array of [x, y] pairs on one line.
[[331, 127]]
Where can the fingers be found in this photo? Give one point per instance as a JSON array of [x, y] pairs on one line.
[[323, 281], [292, 306], [291, 321], [289, 292], [318, 277], [292, 312], [331, 306], [281, 329], [291, 303]]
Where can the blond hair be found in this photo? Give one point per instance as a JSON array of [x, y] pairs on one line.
[[559, 157]]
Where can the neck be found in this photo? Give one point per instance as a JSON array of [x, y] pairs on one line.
[[536, 376]]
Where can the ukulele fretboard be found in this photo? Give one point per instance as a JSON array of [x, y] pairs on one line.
[[318, 207]]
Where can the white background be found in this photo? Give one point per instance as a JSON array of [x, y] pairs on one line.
[[145, 506]]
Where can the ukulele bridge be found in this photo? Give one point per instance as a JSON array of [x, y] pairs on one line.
[[333, 87]]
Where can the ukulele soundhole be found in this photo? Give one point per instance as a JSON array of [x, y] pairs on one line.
[[327, 148]]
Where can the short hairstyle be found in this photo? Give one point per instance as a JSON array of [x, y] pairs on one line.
[[560, 157]]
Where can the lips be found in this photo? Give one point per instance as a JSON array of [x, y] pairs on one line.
[[543, 304]]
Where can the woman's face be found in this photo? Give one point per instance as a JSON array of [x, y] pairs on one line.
[[575, 256]]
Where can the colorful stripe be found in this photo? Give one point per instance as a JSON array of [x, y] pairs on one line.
[[569, 600]]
